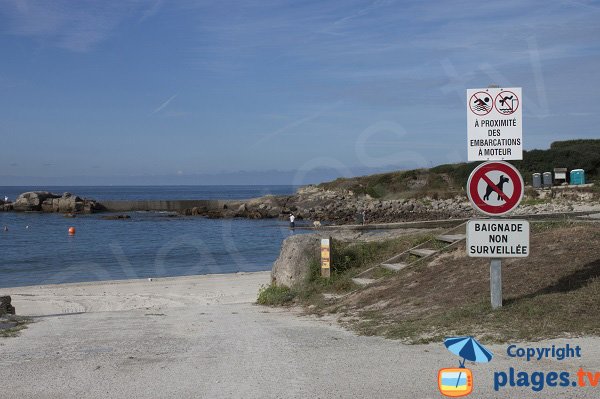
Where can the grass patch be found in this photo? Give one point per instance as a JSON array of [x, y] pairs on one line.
[[17, 323], [520, 319], [417, 183], [551, 294], [347, 261], [273, 295], [535, 201], [545, 225]]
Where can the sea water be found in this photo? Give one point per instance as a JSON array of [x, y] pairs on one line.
[[37, 249]]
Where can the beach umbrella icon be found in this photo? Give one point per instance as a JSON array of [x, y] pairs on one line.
[[469, 349]]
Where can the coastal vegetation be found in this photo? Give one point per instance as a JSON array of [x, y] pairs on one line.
[[348, 260], [553, 293], [448, 180]]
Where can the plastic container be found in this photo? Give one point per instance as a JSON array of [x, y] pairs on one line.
[[537, 180], [547, 179], [577, 176]]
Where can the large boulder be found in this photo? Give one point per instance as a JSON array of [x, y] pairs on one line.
[[32, 200], [292, 267], [48, 202], [70, 203]]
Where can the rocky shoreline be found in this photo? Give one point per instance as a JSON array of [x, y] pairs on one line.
[[319, 204], [345, 207], [313, 203]]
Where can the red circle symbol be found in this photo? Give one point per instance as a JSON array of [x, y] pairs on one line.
[[506, 102], [509, 177], [481, 103]]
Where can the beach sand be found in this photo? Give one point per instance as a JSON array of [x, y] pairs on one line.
[[203, 337], [140, 294]]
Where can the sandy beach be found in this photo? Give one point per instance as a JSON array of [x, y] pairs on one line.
[[203, 337], [153, 295]]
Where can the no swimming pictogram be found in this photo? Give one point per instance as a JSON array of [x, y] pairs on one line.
[[481, 103], [495, 188]]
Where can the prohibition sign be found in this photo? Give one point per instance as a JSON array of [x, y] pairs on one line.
[[481, 103], [508, 188], [506, 102]]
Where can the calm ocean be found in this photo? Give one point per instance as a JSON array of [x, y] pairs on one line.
[[150, 244]]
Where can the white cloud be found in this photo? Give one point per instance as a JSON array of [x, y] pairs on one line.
[[73, 25]]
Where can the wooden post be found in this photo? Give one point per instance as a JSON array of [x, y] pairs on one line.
[[326, 257], [496, 283]]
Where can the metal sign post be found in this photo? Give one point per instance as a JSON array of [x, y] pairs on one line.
[[496, 283]]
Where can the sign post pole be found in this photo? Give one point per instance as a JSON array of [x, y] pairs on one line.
[[326, 257], [496, 283], [496, 271]]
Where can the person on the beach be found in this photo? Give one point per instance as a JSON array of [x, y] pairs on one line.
[[364, 216], [292, 218]]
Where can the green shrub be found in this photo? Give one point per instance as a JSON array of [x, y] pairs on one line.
[[273, 295]]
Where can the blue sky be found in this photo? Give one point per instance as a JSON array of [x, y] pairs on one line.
[[175, 91]]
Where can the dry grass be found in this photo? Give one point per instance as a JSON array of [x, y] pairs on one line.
[[554, 292]]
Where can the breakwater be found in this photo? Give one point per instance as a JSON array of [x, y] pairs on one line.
[[179, 206]]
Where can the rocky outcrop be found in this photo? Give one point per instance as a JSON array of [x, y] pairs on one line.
[[43, 201], [5, 305], [340, 207], [292, 267], [116, 217], [5, 206], [345, 207], [266, 207], [32, 201]]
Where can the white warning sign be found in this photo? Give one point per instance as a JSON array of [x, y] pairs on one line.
[[494, 124], [507, 238]]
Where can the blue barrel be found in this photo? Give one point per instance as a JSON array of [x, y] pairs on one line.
[[577, 176], [537, 180]]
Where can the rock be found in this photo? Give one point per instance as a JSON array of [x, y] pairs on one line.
[[70, 203], [292, 267], [32, 201], [274, 212], [116, 217], [5, 306], [47, 205], [48, 202]]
